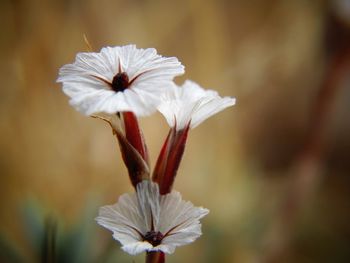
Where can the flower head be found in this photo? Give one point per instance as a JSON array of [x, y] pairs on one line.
[[148, 221], [118, 79], [191, 104]]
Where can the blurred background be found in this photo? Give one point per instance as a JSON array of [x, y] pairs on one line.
[[273, 170]]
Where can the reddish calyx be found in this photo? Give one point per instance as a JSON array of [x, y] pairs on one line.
[[169, 159]]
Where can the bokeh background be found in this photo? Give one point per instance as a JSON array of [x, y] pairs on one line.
[[273, 170]]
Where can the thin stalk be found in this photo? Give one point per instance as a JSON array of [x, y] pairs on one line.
[[48, 250]]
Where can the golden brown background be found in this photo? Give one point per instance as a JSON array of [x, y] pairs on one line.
[[273, 170]]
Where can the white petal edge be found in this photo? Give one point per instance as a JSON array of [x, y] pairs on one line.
[[137, 247], [190, 102]]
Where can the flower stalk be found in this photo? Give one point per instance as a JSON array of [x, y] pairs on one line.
[[118, 85]]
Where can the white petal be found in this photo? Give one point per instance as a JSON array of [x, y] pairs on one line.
[[180, 105], [148, 198], [174, 108], [137, 247], [210, 107], [169, 248], [183, 237], [147, 64], [123, 219], [179, 221], [84, 81], [177, 214], [86, 65]]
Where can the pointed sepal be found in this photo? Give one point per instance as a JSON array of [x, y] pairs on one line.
[[137, 167], [134, 134]]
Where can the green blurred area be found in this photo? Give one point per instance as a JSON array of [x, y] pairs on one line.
[[273, 170]]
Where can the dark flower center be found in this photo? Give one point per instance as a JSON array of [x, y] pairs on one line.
[[153, 237], [120, 82]]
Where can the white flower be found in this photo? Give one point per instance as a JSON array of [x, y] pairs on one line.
[[191, 104], [148, 221], [118, 79]]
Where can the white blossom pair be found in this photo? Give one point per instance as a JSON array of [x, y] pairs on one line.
[[123, 80]]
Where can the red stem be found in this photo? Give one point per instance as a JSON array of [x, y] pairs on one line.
[[155, 257], [134, 135], [173, 161], [162, 158], [169, 159]]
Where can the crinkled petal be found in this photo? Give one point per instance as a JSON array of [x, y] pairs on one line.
[[88, 66], [145, 64], [123, 219], [177, 214], [179, 221]]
